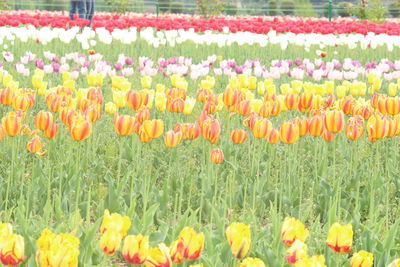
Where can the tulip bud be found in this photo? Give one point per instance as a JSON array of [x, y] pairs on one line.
[[80, 129], [354, 128], [252, 262], [303, 125], [244, 107], [134, 99], [172, 139], [293, 229], [289, 132], [12, 249], [43, 120], [362, 259], [316, 125], [262, 128], [239, 239], [340, 237], [123, 124], [51, 131], [334, 121], [296, 252], [292, 101], [238, 136], [115, 222], [111, 108], [217, 156], [110, 242], [211, 130], [153, 128], [12, 123], [273, 137]]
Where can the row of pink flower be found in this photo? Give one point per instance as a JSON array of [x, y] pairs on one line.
[[232, 24], [317, 69]]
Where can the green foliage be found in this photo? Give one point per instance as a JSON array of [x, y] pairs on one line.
[[120, 6], [325, 10], [209, 8], [304, 8], [287, 7], [164, 5], [368, 9], [176, 7], [230, 9], [343, 9], [394, 9], [273, 8]]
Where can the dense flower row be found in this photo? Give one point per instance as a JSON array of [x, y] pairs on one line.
[[259, 25], [160, 38], [63, 249], [298, 69]]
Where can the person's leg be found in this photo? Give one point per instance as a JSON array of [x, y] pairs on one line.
[[90, 11], [82, 9], [72, 9]]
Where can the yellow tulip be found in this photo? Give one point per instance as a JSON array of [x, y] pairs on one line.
[[340, 237], [314, 261], [296, 252], [189, 105], [239, 238], [159, 257], [119, 98], [66, 76], [5, 229], [362, 259], [111, 108], [146, 82], [110, 242], [12, 249], [252, 262], [115, 222], [136, 249], [252, 82], [293, 229], [160, 101], [392, 89], [188, 246], [395, 263], [70, 84], [160, 88]]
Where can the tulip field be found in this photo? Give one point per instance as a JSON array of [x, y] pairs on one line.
[[180, 141]]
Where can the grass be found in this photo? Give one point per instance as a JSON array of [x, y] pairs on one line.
[[163, 189]]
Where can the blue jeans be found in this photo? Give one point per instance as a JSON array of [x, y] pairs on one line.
[[89, 9], [80, 5]]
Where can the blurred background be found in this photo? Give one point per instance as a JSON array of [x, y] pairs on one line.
[[364, 9]]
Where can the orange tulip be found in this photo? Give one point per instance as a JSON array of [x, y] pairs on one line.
[[44, 120], [316, 125], [265, 110], [143, 136], [172, 139], [124, 124], [93, 113], [134, 99], [392, 105], [328, 102], [244, 107], [269, 97], [80, 129], [51, 131], [327, 135], [211, 131], [305, 102], [334, 120], [193, 131], [230, 97], [303, 125], [382, 105], [7, 96], [1, 133], [217, 156], [66, 115], [354, 127], [35, 146], [375, 99], [273, 137], [176, 105], [143, 114], [202, 118], [289, 132], [276, 109], [347, 104], [292, 101], [377, 127], [21, 102], [393, 125], [238, 136], [364, 111], [12, 123], [250, 121], [153, 128], [262, 128]]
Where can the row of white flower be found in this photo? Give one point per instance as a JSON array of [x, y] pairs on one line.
[[88, 38]]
